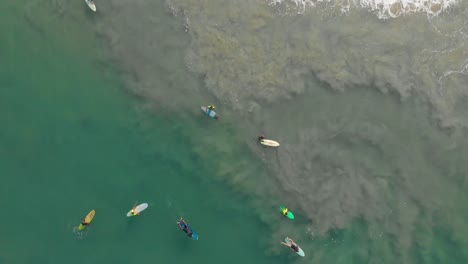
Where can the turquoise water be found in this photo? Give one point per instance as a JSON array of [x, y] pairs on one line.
[[74, 139]]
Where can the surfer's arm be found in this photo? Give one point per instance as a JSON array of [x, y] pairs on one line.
[[285, 244]]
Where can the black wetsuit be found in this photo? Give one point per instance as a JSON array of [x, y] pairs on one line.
[[295, 247], [186, 229]]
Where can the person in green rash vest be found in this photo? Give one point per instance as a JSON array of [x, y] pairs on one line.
[[211, 108]]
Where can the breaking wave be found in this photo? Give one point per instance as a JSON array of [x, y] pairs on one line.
[[382, 8]]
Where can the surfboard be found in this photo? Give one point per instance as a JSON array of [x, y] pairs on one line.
[[88, 218], [300, 252], [289, 214], [91, 5], [209, 112], [269, 142], [138, 209], [194, 234]]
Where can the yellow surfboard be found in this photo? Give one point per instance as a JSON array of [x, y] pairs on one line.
[[89, 217]]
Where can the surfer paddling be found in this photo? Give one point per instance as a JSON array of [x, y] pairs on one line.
[[184, 227], [291, 245], [261, 138]]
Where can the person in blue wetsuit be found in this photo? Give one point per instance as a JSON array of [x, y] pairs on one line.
[[184, 227]]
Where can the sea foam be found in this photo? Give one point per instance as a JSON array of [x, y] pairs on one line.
[[382, 8]]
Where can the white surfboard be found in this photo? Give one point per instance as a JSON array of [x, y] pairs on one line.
[[300, 252], [140, 208], [269, 142], [91, 5]]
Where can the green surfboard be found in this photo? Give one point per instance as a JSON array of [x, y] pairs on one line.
[[289, 214]]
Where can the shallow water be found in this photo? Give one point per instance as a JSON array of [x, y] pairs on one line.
[[102, 110], [73, 141]]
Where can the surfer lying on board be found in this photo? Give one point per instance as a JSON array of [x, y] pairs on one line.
[[292, 245], [184, 227], [133, 210], [211, 108], [83, 222]]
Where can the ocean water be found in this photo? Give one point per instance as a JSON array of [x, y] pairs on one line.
[[73, 140], [100, 110]]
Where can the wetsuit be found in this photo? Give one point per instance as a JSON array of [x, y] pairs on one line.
[[295, 247], [185, 228]]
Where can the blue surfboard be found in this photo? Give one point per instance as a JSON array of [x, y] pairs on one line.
[[209, 112], [194, 234]]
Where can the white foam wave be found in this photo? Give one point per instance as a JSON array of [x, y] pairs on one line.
[[382, 8]]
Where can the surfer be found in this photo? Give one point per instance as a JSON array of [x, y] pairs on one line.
[[292, 245], [211, 108], [133, 210], [285, 211], [83, 222], [184, 227], [261, 138]]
